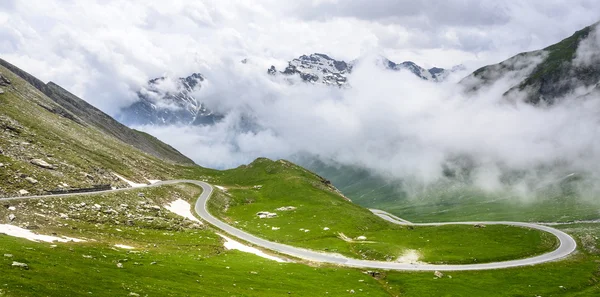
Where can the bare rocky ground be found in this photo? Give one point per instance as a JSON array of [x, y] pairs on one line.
[[136, 208]]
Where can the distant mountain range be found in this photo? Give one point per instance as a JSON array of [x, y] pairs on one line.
[[320, 68], [538, 77], [167, 101]]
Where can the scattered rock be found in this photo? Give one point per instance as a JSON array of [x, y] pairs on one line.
[[351, 291], [326, 228], [42, 163], [119, 265], [438, 274], [1, 91], [31, 180], [11, 217], [88, 256], [8, 255], [133, 294], [4, 81], [12, 208], [479, 226], [375, 274], [20, 265], [23, 192], [361, 238], [258, 187], [274, 228], [286, 208], [141, 195], [266, 214]]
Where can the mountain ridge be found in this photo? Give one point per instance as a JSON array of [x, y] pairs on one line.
[[543, 76], [83, 113]]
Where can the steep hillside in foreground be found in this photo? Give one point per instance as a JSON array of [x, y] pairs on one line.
[[44, 146], [570, 67], [75, 109]]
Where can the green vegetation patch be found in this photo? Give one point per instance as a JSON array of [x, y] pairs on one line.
[[310, 214]]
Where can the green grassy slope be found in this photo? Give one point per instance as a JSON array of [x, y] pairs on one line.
[[334, 223], [35, 127], [78, 110], [171, 256]]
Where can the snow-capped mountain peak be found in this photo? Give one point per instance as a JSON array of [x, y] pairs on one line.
[[165, 100], [321, 68]]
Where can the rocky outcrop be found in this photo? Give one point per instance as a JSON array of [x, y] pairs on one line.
[[4, 81], [41, 163]]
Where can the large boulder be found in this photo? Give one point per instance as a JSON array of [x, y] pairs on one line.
[[4, 81], [42, 163]]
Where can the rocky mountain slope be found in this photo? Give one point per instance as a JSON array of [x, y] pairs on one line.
[[167, 101], [84, 114], [52, 140], [568, 68]]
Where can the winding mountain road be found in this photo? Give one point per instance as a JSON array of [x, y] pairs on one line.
[[566, 247]]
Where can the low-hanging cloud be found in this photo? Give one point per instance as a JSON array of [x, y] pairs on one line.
[[397, 125]]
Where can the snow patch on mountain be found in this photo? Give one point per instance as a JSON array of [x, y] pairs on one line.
[[321, 68]]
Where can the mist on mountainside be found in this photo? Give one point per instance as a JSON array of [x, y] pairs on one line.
[[403, 128]]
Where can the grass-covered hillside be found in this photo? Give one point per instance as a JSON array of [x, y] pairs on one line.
[[311, 214], [135, 247], [81, 112], [45, 147]]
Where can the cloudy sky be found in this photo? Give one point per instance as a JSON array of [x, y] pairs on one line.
[[391, 123], [104, 50]]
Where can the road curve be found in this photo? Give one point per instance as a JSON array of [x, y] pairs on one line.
[[566, 247]]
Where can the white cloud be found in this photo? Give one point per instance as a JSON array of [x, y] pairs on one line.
[[104, 51]]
